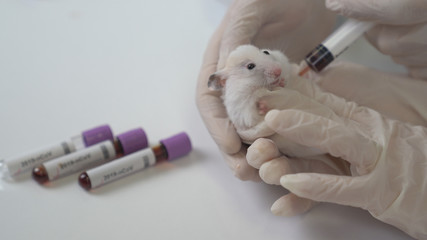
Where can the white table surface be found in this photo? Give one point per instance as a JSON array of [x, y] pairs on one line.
[[66, 66]]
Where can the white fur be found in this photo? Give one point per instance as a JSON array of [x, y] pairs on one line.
[[243, 89], [241, 93]]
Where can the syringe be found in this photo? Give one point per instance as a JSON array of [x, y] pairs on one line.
[[334, 45]]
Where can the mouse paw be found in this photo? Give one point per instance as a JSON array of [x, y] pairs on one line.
[[262, 107], [282, 82]]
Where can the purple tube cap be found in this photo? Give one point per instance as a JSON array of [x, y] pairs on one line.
[[97, 135], [177, 146], [133, 140]]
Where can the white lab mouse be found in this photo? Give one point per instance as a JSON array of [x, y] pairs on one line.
[[253, 82]]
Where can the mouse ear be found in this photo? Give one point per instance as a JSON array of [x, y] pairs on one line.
[[217, 81]]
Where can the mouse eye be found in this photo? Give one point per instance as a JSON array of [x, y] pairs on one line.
[[250, 66], [266, 52]]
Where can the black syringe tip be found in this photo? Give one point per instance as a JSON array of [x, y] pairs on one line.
[[319, 58]]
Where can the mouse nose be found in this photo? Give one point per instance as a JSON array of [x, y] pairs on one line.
[[277, 72]]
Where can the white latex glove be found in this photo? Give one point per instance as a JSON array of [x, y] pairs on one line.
[[388, 158], [401, 31], [275, 24]]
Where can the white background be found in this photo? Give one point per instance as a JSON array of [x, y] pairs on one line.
[[66, 66]]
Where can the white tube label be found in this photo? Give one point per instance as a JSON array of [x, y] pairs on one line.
[[28, 161], [122, 167], [86, 158]]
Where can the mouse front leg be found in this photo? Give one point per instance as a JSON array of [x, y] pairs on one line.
[[262, 101], [277, 99], [262, 106]]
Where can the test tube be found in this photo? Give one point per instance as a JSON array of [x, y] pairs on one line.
[[124, 144], [168, 149], [12, 167]]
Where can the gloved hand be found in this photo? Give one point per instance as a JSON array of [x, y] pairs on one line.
[[388, 158], [401, 31], [275, 24]]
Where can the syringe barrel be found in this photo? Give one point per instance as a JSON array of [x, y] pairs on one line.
[[345, 35]]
